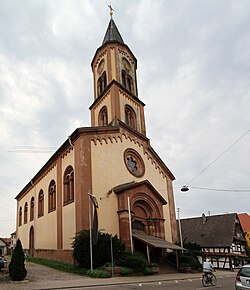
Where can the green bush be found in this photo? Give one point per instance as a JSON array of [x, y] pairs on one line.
[[125, 271], [191, 260], [101, 251], [98, 273], [148, 271], [136, 261], [17, 269]]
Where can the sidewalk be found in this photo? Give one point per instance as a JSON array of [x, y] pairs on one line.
[[61, 280]]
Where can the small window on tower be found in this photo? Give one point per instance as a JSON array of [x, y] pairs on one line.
[[102, 83], [130, 117], [103, 117], [127, 80]]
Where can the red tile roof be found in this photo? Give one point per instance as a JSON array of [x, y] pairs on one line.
[[245, 221]]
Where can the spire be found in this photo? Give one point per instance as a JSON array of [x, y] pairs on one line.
[[112, 33]]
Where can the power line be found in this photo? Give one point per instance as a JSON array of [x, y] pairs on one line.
[[28, 149], [210, 164], [220, 189]]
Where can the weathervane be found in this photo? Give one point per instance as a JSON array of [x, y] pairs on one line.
[[110, 10]]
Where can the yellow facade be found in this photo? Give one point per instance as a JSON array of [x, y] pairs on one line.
[[108, 172]]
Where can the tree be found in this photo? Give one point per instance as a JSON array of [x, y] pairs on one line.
[[101, 251], [17, 269]]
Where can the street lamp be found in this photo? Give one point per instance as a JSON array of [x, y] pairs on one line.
[[184, 188]]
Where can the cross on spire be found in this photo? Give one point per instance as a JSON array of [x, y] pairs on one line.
[[110, 10]]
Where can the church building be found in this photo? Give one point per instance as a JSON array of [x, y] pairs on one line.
[[113, 161]]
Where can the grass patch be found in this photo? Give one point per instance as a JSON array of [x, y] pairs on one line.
[[58, 265]]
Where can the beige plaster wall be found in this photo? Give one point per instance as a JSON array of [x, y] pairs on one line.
[[68, 211], [68, 222], [45, 224], [109, 170], [45, 227]]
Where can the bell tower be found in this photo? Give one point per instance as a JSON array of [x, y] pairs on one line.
[[115, 84]]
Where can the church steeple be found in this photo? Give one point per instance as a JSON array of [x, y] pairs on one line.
[[112, 34], [115, 83]]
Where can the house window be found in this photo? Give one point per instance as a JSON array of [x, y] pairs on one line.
[[41, 203], [32, 205], [103, 117], [20, 216], [68, 185], [25, 213], [130, 117], [52, 195], [102, 83]]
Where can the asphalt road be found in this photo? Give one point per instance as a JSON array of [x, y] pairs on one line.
[[223, 283]]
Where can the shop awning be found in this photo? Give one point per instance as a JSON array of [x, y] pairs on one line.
[[155, 242]]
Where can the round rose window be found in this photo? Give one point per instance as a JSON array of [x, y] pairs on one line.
[[134, 162]]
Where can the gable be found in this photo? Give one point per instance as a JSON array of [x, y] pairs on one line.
[[210, 231]]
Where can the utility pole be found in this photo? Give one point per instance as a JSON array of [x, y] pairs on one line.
[[180, 230]]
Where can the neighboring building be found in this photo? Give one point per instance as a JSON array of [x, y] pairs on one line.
[[220, 237], [245, 224], [12, 242], [112, 160], [4, 246]]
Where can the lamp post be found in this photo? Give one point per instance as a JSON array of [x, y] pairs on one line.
[[90, 236], [130, 227], [180, 230]]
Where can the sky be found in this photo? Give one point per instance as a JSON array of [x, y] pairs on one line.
[[193, 75]]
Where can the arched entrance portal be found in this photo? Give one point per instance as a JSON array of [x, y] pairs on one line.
[[31, 241], [146, 211]]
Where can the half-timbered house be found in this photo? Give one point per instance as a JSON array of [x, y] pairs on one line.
[[220, 237]]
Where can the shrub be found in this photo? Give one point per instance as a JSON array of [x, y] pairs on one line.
[[135, 261], [191, 260], [125, 271], [17, 269], [101, 251], [148, 271], [98, 273]]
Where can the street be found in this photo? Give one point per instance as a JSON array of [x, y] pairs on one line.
[[223, 283]]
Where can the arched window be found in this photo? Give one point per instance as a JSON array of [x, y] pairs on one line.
[[32, 205], [25, 213], [130, 117], [127, 81], [102, 83], [52, 195], [103, 117], [20, 216], [68, 185], [31, 239], [41, 203]]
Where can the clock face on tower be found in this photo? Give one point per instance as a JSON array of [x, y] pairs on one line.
[[134, 162]]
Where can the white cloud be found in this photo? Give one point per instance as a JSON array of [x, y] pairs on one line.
[[193, 76]]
